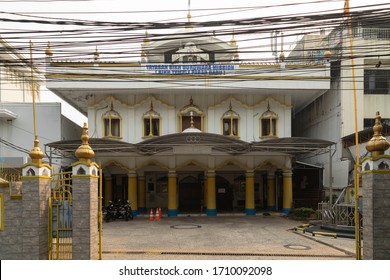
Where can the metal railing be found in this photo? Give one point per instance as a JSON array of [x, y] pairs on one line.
[[342, 214], [372, 33]]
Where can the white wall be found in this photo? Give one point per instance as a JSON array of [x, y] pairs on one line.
[[20, 131], [249, 107]]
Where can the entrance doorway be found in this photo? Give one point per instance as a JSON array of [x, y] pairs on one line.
[[119, 185], [224, 194], [190, 194]]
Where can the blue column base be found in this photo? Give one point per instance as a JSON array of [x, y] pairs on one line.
[[286, 210], [172, 213], [250, 211], [134, 212], [211, 212]]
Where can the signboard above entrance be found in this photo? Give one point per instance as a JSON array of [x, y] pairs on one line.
[[190, 69]]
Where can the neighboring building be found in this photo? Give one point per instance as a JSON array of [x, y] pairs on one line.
[[331, 115], [191, 128], [16, 113]]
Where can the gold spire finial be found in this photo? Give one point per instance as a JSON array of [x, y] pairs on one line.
[[233, 42], [96, 54], [85, 153], [377, 144], [48, 50], [188, 24], [36, 154], [282, 57], [146, 39]]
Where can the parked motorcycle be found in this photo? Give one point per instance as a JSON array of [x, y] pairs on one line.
[[125, 212], [117, 210], [110, 212]]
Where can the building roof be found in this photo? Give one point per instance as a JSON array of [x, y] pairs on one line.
[[289, 145]]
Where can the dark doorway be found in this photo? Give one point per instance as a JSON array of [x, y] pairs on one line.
[[190, 194], [119, 184], [224, 194], [307, 185]]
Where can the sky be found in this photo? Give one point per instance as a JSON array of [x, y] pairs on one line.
[[68, 45]]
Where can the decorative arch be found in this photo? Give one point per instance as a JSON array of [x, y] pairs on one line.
[[269, 99], [228, 100], [151, 123], [191, 113], [148, 99], [117, 164], [112, 123], [232, 162], [270, 163], [230, 123], [152, 163], [269, 124], [193, 163]]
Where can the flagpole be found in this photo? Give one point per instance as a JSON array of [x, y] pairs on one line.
[[35, 154], [357, 160], [33, 94]]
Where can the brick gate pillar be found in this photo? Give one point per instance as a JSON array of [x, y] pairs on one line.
[[36, 178], [376, 197], [85, 181]]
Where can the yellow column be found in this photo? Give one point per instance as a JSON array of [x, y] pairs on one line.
[[107, 189], [271, 191], [250, 193], [287, 191], [172, 193], [211, 195], [141, 194], [132, 192], [205, 194]]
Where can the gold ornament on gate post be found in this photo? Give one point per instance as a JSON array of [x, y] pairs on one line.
[[85, 153], [377, 144], [36, 154]]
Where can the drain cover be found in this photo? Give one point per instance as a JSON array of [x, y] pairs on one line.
[[297, 247], [186, 226]]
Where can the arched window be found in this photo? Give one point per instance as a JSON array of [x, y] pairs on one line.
[[112, 123], [151, 122], [190, 54], [268, 124], [191, 115], [230, 122]]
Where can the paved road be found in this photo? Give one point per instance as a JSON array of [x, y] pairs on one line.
[[221, 237]]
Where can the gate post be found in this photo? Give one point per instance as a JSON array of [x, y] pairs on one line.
[[36, 179], [376, 197], [85, 180]]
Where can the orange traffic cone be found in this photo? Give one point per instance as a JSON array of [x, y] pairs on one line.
[[157, 215], [151, 216]]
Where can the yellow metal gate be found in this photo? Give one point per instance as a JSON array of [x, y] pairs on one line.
[[60, 217]]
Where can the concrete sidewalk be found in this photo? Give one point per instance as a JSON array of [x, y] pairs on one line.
[[220, 237]]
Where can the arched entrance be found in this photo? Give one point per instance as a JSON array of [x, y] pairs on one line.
[[224, 194], [190, 194]]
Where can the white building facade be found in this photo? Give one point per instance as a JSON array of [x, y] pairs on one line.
[[191, 129]]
